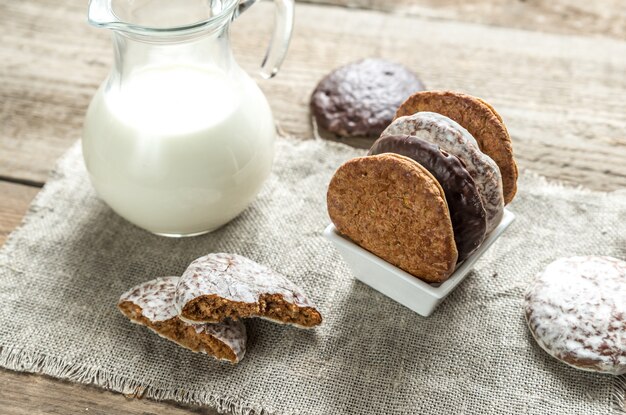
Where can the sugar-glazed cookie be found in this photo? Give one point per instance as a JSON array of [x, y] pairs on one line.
[[393, 207], [466, 209], [480, 119], [576, 311], [360, 98], [151, 304], [454, 139], [221, 286]]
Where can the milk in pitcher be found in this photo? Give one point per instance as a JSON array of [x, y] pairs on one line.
[[185, 157], [178, 139]]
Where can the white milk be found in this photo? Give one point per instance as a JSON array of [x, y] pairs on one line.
[[179, 150]]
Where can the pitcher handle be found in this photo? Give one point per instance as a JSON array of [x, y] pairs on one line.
[[283, 26]]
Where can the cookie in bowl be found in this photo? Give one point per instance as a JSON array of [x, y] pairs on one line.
[[393, 228], [393, 207], [454, 139], [481, 120], [466, 209]]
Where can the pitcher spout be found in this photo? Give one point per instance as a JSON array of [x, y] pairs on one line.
[[100, 13], [167, 21]]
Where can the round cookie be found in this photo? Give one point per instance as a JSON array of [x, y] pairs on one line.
[[394, 208], [454, 139], [480, 119], [576, 311], [466, 209], [219, 286], [151, 304], [360, 99]]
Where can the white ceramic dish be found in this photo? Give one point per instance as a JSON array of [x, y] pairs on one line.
[[401, 286]]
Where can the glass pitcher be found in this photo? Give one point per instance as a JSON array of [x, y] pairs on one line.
[[179, 139]]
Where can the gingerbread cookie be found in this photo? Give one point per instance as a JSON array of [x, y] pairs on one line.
[[394, 208], [151, 304], [454, 139], [220, 286], [360, 99], [466, 209], [480, 119], [576, 311]]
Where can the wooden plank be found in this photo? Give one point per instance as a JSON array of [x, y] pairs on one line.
[[14, 200], [575, 17], [28, 394], [562, 96]]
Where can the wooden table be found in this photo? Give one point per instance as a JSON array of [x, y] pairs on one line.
[[555, 70]]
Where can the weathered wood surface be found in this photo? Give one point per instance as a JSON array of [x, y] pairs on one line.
[[14, 200], [603, 18], [28, 394], [562, 97]]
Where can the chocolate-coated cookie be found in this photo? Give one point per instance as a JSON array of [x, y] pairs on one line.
[[480, 119], [466, 209], [394, 208], [456, 140], [361, 98]]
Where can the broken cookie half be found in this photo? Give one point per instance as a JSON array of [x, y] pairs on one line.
[[221, 286], [152, 304]]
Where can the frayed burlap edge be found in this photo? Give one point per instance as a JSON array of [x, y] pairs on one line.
[[619, 394], [34, 362]]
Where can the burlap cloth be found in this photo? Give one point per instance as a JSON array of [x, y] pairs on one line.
[[62, 272]]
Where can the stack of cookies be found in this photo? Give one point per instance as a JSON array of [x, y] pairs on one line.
[[202, 309], [431, 187]]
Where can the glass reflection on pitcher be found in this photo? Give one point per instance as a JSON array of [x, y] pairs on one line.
[[179, 139]]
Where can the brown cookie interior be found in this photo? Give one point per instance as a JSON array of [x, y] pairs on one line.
[[394, 208], [180, 332], [213, 308], [477, 117]]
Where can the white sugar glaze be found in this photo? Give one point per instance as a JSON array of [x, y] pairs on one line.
[[156, 300], [456, 140], [235, 278], [576, 310]]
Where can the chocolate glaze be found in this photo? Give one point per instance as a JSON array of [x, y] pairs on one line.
[[466, 209], [360, 99], [456, 140]]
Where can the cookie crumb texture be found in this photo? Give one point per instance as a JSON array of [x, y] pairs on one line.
[[151, 304], [221, 286], [360, 98], [466, 209], [391, 206], [576, 311]]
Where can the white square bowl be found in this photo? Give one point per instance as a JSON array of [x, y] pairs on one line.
[[401, 286]]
